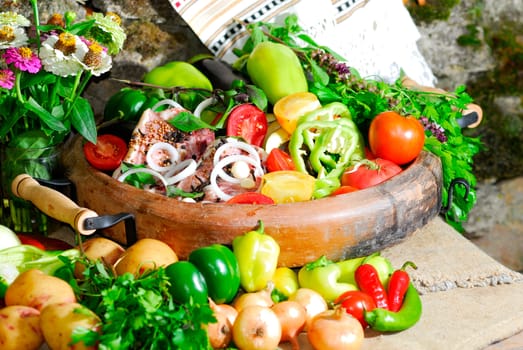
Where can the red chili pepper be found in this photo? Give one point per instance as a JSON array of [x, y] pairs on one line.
[[26, 239], [369, 282], [398, 285]]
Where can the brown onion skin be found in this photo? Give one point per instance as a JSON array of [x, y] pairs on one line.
[[292, 316], [334, 329]]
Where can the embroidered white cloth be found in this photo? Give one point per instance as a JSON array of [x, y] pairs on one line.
[[377, 37]]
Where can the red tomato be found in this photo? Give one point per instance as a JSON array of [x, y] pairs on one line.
[[250, 198], [396, 138], [369, 173], [108, 152], [343, 190], [355, 303], [28, 240], [279, 160], [248, 122]]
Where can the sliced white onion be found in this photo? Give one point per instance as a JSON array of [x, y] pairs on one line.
[[258, 171], [203, 105], [169, 102], [182, 170], [233, 143], [218, 171], [174, 156], [156, 174]]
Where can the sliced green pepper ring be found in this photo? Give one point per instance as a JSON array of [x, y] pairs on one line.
[[324, 144]]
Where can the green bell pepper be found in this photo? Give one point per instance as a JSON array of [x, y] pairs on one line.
[[323, 276], [326, 141], [186, 283], [129, 104], [276, 69], [257, 255], [177, 74], [220, 269]]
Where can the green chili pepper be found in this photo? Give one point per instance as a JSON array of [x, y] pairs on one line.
[[326, 141], [178, 74], [323, 276], [388, 321], [257, 255], [219, 267], [129, 104], [187, 283], [276, 69]]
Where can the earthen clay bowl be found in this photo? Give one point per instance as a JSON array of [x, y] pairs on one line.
[[353, 224]]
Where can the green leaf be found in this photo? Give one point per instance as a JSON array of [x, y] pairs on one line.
[[187, 122], [46, 117], [82, 118]]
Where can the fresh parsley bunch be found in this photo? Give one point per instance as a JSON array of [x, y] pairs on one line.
[[331, 79], [137, 312]]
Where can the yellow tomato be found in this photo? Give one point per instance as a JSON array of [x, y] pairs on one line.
[[291, 107], [288, 186]]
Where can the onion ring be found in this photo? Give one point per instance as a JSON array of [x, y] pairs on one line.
[[203, 105], [233, 143], [174, 156], [156, 174], [182, 170]]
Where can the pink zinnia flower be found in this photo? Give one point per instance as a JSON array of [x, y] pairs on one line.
[[23, 59], [7, 79]]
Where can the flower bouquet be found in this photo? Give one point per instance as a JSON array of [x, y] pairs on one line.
[[44, 69]]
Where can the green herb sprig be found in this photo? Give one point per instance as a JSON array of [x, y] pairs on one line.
[[138, 312], [332, 80]]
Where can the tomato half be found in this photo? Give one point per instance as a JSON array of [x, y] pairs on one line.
[[291, 107], [343, 190], [288, 186], [249, 122], [250, 198], [395, 137], [369, 173], [355, 303], [279, 160], [108, 152]]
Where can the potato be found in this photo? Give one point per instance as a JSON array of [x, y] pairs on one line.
[[59, 320], [20, 328], [36, 289], [145, 254], [99, 248]]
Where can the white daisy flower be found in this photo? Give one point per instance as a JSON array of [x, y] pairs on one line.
[[62, 55], [97, 60], [12, 36], [13, 19]]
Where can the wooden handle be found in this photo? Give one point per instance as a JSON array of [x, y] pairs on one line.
[[52, 203], [471, 107]]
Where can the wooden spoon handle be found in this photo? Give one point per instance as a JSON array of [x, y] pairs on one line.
[[52, 203]]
